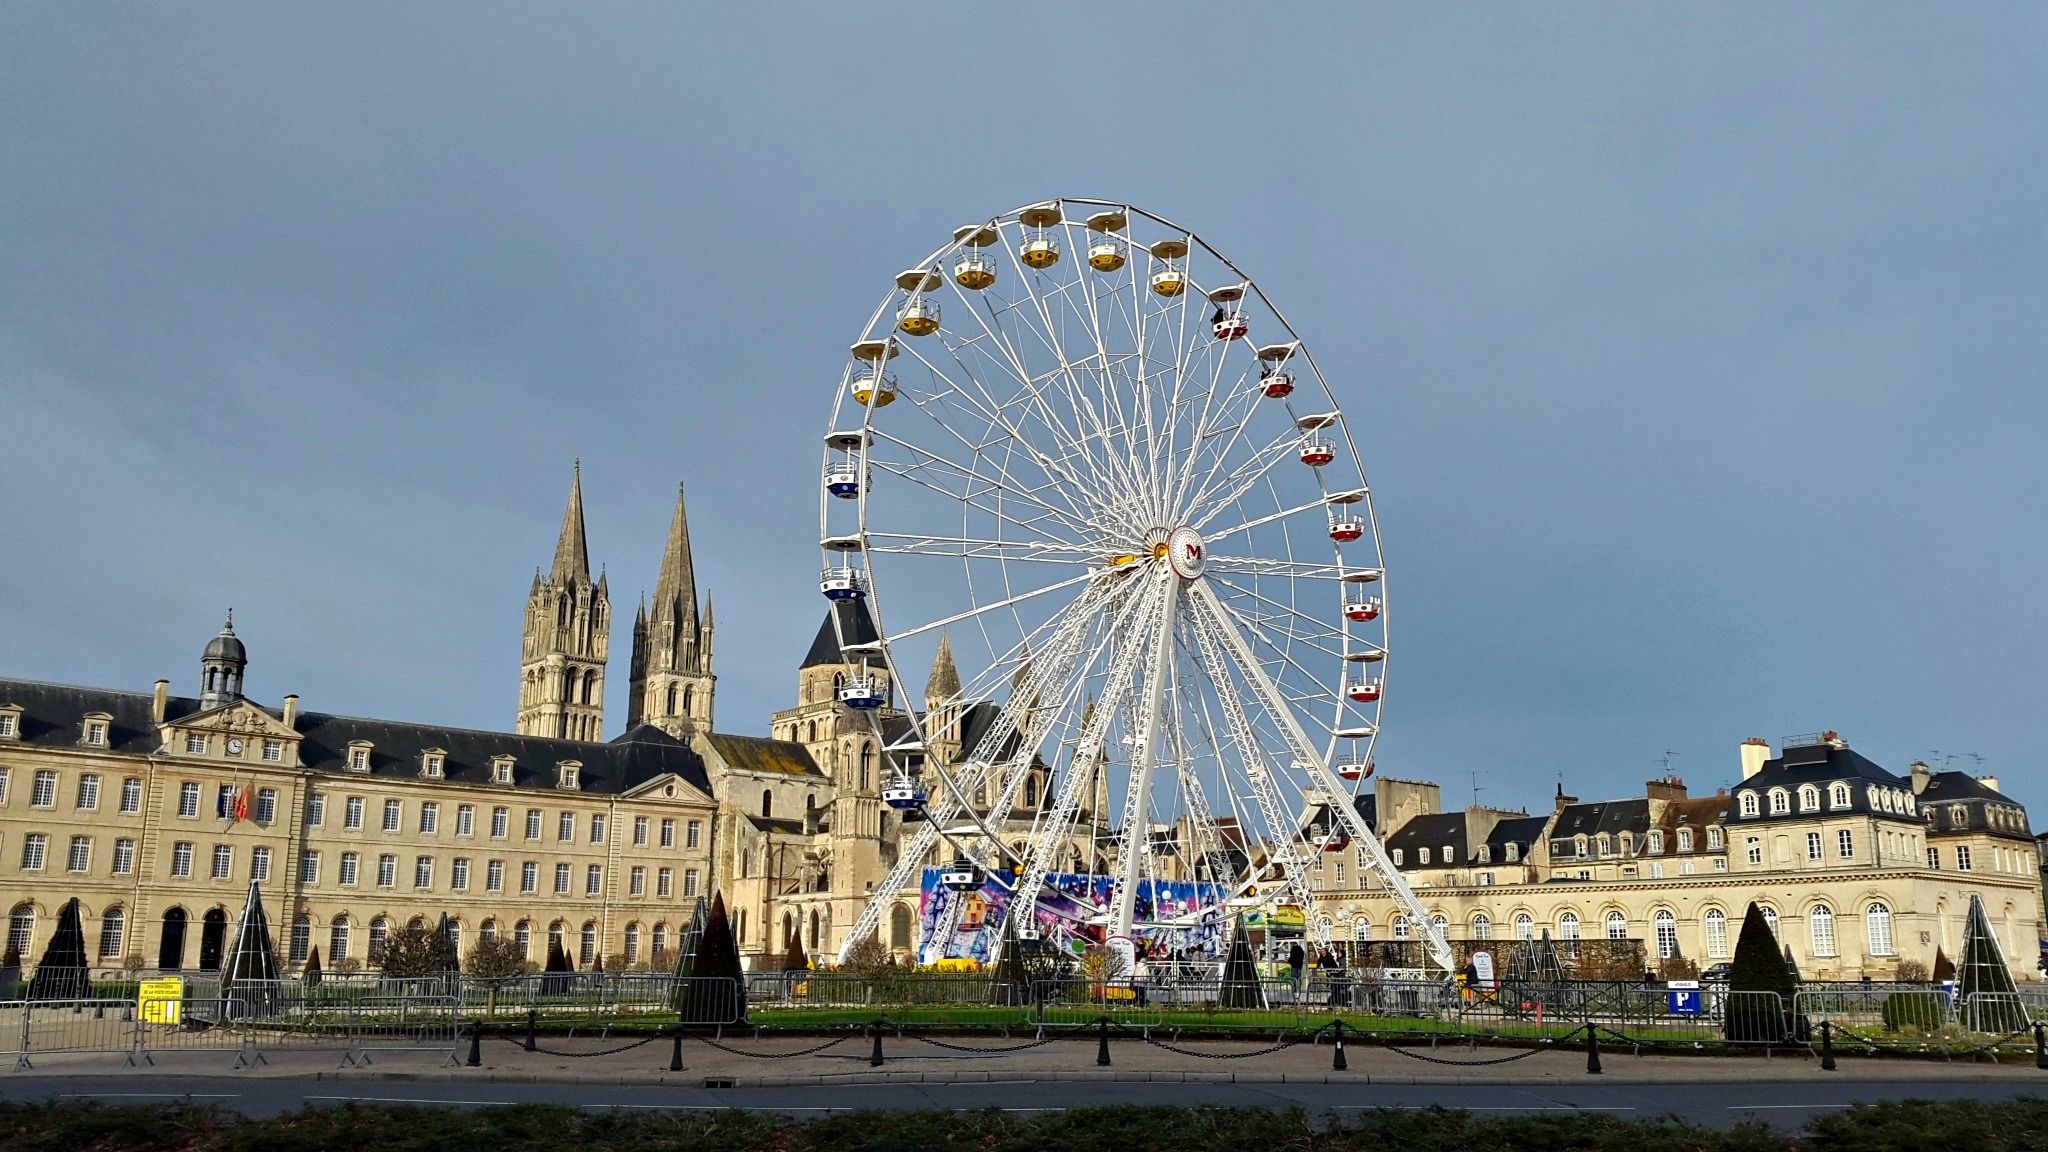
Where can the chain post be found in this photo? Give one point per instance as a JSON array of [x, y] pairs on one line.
[[476, 1043], [675, 1056], [1102, 1042], [532, 1028], [2041, 1046], [1592, 1050], [875, 1061], [1337, 1061], [1827, 1046]]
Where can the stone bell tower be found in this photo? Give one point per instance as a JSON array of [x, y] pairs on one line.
[[568, 635]]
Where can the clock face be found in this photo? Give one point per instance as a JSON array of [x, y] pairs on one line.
[[234, 747]]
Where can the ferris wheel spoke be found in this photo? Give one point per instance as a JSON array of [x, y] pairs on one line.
[[987, 495], [1212, 536], [958, 547], [980, 451], [1285, 569], [1318, 689], [1216, 493]]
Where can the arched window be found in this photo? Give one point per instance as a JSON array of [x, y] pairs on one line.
[[1568, 926], [380, 931], [812, 738], [743, 925], [660, 953], [586, 948], [867, 766], [1667, 934], [767, 803], [1605, 843], [899, 926], [1512, 853], [1749, 804], [113, 923], [1482, 927], [522, 939], [1031, 791], [1400, 926], [1838, 794], [1770, 918], [487, 931], [1617, 925], [21, 928], [1714, 926], [1628, 844], [633, 943], [689, 700], [1441, 923], [1809, 798], [1877, 928], [1361, 929], [1525, 926], [1656, 841], [455, 935], [814, 930], [788, 930], [1820, 929], [671, 709], [1579, 845], [302, 939], [1781, 802], [337, 939]]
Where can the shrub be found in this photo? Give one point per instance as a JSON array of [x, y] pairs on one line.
[[412, 952], [1759, 967], [1910, 972], [868, 958], [1914, 1012]]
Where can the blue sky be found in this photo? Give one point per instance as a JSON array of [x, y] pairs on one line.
[[1695, 353]]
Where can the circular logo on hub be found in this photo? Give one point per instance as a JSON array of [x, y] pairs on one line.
[[1184, 553]]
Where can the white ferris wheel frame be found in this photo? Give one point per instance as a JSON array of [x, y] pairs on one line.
[[1129, 611]]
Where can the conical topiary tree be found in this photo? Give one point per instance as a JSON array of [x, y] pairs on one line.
[[555, 982], [715, 990], [794, 958], [311, 976], [1752, 1016], [1241, 987], [1987, 998], [63, 973], [1944, 968]]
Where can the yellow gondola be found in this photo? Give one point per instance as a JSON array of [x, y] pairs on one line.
[[1171, 277], [972, 269]]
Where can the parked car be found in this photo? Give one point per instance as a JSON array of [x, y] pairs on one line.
[[1717, 974]]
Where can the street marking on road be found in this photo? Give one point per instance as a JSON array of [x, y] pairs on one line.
[[149, 1095], [1766, 1107], [406, 1100]]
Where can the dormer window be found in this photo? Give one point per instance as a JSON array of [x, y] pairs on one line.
[[1781, 802], [1628, 843], [1606, 844], [1422, 855], [195, 744], [567, 774], [1513, 852], [1958, 816], [1685, 839], [1714, 841], [431, 762], [1809, 798], [10, 722], [96, 730], [1656, 842], [1485, 854], [1579, 845], [359, 755], [501, 769], [1838, 795]]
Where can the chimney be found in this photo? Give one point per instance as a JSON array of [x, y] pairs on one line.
[[1754, 752], [1921, 775], [1669, 788], [162, 701], [1990, 782], [291, 711]]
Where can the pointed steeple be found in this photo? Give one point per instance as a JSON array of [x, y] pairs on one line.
[[675, 590], [572, 553], [945, 679]]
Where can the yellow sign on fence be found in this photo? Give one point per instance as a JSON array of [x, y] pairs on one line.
[[160, 1001]]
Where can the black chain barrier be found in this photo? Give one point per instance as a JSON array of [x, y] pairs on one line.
[[1284, 1043], [777, 1055], [980, 1051], [1550, 1045], [1924, 1050], [580, 1055]]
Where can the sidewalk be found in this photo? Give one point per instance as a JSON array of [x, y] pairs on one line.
[[787, 1062]]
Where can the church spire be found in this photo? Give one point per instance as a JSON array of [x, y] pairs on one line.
[[944, 683], [675, 590], [572, 553]]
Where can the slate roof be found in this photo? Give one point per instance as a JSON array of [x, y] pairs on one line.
[[1431, 831], [760, 754], [1945, 790], [852, 622], [54, 715], [1819, 764], [1521, 831]]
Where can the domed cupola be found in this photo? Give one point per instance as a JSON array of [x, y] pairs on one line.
[[221, 667]]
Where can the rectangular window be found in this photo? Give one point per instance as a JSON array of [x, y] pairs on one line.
[[316, 810], [124, 856], [188, 799], [565, 827], [81, 854], [352, 814], [195, 744], [266, 805], [273, 751], [131, 795], [593, 880], [561, 879], [668, 833], [690, 881], [696, 835], [387, 871], [3, 780], [636, 881], [7, 724], [350, 863], [501, 823], [1720, 863], [259, 864], [1685, 867], [394, 811], [1756, 850], [1656, 870], [639, 831], [359, 759], [458, 874], [430, 818], [1933, 857], [302, 940], [1845, 844], [665, 883], [597, 828], [1962, 857], [88, 792], [96, 733], [533, 823], [494, 876], [309, 866], [224, 801], [529, 877], [1813, 845], [44, 794], [465, 820], [223, 861], [181, 859], [423, 872]]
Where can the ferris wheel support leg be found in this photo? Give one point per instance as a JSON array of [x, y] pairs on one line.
[[1276, 704], [1131, 851]]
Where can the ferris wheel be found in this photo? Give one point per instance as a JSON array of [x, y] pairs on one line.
[[1079, 453]]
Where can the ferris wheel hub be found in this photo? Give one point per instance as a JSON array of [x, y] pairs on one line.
[[1184, 552]]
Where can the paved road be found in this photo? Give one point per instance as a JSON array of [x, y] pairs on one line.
[[1783, 1104]]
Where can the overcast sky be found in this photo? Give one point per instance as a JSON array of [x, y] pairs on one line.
[[1695, 354]]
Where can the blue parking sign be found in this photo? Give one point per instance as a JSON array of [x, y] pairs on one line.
[[1685, 997]]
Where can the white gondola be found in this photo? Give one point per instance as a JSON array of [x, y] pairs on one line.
[[1364, 691], [1316, 453], [842, 583], [862, 692], [1276, 384], [1361, 608], [972, 269], [1362, 576], [1346, 529], [903, 795], [1030, 934], [962, 876]]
